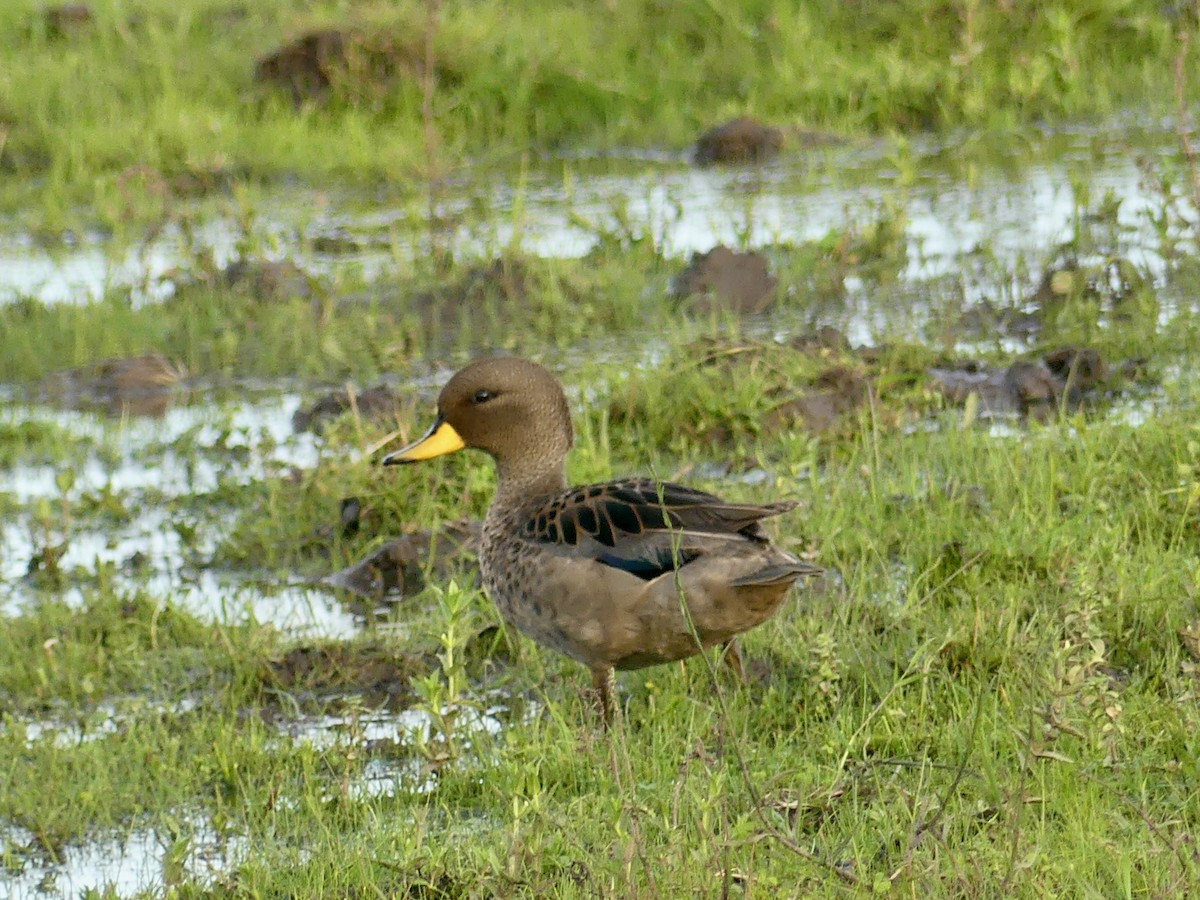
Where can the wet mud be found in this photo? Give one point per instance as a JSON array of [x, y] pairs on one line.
[[67, 20], [744, 140], [404, 566], [379, 404], [144, 385], [725, 279], [1038, 388], [322, 63]]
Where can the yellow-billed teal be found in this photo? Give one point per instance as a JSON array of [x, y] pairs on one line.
[[597, 572]]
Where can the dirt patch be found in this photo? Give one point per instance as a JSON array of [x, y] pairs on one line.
[[144, 385], [272, 281], [352, 517], [1035, 388], [67, 20], [503, 287], [508, 278], [1079, 369], [307, 66], [377, 673], [267, 280], [825, 341], [726, 279], [200, 181], [324, 62], [339, 242], [744, 140], [837, 391], [403, 566], [376, 404]]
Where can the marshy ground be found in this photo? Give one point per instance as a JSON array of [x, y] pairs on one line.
[[946, 300]]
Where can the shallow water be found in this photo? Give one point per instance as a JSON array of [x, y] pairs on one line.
[[560, 206], [143, 463], [142, 859]]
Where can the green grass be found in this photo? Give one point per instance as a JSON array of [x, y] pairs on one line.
[[156, 96], [999, 688]]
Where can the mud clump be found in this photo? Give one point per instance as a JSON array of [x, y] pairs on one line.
[[200, 181], [67, 20], [267, 280], [271, 281], [726, 279], [376, 404], [306, 66], [340, 242], [511, 279], [743, 140], [1029, 388], [352, 517], [825, 340], [377, 673], [320, 63], [836, 391], [1078, 369], [402, 565], [140, 385], [505, 286]]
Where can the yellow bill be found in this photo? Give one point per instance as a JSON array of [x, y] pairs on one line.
[[438, 441]]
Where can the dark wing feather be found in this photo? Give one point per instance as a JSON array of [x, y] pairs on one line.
[[646, 527]]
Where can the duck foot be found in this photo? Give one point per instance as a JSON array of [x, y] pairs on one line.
[[604, 687], [732, 657]]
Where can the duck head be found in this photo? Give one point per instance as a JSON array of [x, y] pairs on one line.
[[508, 407]]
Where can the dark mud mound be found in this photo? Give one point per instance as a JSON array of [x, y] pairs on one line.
[[144, 385], [267, 279], [378, 404], [837, 391], [822, 341], [503, 289], [67, 20], [510, 279], [306, 67], [264, 281], [402, 566], [744, 140], [377, 673], [356, 62], [726, 279], [1038, 388]]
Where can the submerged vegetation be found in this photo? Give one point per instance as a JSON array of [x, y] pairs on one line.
[[239, 659]]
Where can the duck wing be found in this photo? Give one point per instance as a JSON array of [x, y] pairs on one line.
[[647, 527]]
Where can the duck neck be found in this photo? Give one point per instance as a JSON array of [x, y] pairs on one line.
[[525, 480]]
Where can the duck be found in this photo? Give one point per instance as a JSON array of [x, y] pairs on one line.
[[617, 575]]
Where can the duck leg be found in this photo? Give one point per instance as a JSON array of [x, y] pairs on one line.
[[604, 686], [732, 655]]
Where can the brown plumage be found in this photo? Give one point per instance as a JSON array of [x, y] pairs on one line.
[[597, 572]]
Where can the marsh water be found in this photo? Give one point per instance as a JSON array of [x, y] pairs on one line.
[[953, 205], [151, 493]]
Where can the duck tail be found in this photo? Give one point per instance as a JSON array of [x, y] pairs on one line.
[[777, 574]]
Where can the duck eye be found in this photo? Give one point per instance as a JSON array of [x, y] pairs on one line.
[[483, 396]]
